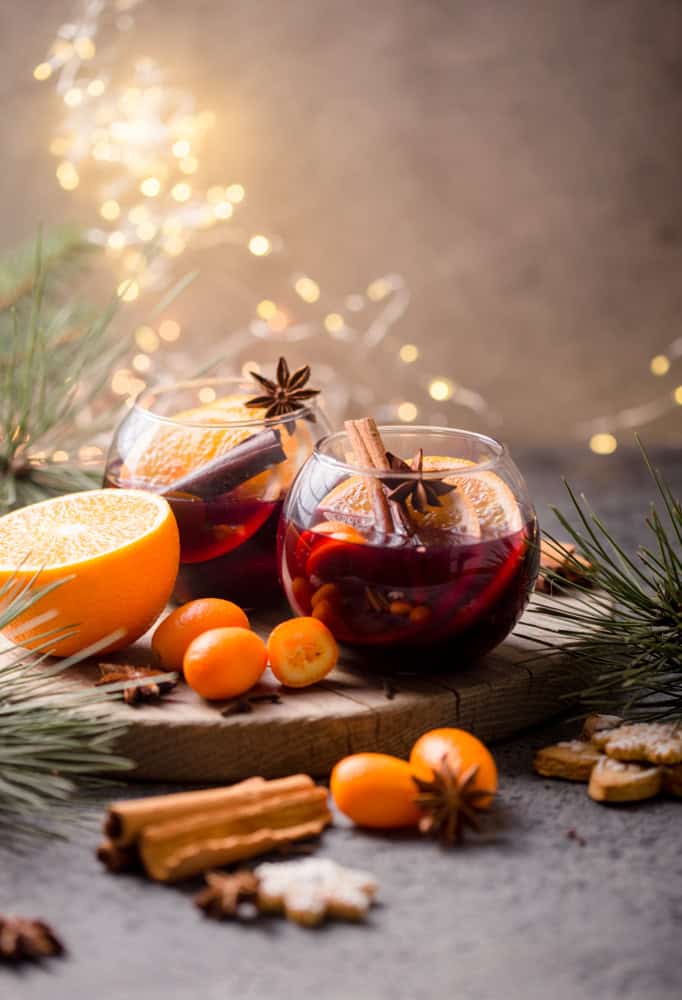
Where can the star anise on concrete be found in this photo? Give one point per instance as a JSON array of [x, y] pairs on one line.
[[229, 895], [113, 673], [422, 492], [286, 394], [22, 938], [450, 801]]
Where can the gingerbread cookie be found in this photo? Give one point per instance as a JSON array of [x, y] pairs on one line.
[[616, 781], [595, 726], [672, 780], [572, 760], [654, 742], [310, 890]]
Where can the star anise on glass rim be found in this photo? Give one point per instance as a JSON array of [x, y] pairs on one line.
[[422, 492], [286, 394], [25, 938], [450, 801]]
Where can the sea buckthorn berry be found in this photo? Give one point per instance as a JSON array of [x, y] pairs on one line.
[[399, 608], [420, 615], [174, 634], [224, 662]]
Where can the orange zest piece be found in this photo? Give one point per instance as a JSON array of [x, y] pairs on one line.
[[302, 651], [116, 553]]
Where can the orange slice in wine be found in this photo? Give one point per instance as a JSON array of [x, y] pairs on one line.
[[349, 500], [166, 452]]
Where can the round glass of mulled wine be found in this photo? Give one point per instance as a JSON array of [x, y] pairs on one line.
[[225, 468], [440, 548]]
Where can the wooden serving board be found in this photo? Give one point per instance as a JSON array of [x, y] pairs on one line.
[[184, 738]]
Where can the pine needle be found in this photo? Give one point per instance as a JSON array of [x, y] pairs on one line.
[[56, 739], [625, 628]]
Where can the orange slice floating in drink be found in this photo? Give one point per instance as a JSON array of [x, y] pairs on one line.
[[170, 450]]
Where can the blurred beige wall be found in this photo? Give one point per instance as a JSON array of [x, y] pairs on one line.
[[517, 162]]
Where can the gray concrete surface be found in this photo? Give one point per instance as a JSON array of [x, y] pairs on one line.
[[523, 913], [518, 163]]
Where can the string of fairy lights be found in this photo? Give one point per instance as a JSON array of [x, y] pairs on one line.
[[602, 432], [136, 142]]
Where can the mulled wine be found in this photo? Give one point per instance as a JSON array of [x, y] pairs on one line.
[[224, 469], [453, 565]]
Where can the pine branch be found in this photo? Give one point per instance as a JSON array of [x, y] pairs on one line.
[[56, 739], [626, 633]]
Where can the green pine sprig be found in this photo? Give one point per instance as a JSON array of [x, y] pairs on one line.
[[623, 626], [57, 738]]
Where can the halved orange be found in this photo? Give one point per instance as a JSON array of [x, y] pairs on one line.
[[117, 553]]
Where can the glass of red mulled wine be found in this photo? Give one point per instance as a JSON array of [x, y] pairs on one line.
[[455, 572], [225, 469]]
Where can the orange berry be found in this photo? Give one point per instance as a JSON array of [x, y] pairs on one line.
[[302, 592], [420, 615], [327, 592], [400, 608], [375, 790], [302, 651], [174, 634], [462, 750], [224, 662]]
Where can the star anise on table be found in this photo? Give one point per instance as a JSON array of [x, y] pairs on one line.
[[422, 492], [229, 895], [286, 394], [113, 673], [450, 801], [22, 938]]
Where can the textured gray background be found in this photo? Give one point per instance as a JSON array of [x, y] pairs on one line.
[[518, 163], [523, 913]]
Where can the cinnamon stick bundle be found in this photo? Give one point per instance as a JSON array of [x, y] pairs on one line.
[[185, 847], [175, 836]]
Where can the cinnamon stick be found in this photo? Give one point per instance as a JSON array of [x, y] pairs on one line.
[[180, 848], [118, 859], [369, 452], [380, 508], [226, 472], [125, 820]]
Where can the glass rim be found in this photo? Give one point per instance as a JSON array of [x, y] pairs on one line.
[[499, 449], [158, 388]]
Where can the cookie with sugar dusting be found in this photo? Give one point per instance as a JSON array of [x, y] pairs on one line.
[[597, 726], [654, 742], [571, 760], [618, 781], [309, 891], [672, 780]]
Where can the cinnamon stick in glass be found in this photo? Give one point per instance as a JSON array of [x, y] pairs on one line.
[[226, 472]]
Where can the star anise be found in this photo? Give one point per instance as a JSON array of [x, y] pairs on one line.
[[285, 395], [450, 801], [113, 673], [422, 492], [229, 895], [22, 938]]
